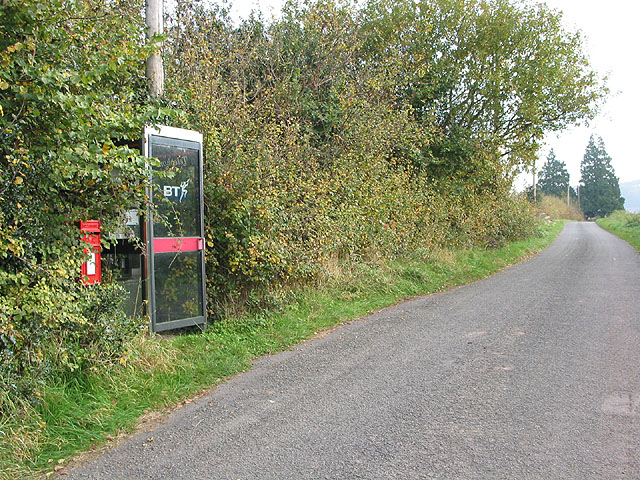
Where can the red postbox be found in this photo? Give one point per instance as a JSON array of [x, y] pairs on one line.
[[91, 269]]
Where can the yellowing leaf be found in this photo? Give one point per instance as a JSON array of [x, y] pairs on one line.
[[18, 180], [14, 48]]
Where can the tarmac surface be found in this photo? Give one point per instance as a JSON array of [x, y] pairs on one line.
[[533, 373]]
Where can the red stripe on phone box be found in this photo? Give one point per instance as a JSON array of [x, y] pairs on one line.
[[163, 245]]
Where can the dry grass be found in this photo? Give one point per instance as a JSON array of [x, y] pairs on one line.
[[19, 442], [151, 354], [556, 208]]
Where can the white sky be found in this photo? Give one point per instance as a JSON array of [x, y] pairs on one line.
[[612, 43], [613, 40]]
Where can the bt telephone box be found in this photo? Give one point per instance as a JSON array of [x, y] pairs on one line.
[[175, 229]]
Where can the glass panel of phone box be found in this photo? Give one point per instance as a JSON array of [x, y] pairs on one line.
[[178, 276]]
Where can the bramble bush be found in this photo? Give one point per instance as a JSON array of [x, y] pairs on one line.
[[318, 150], [47, 332]]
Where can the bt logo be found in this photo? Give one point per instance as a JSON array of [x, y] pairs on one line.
[[176, 193]]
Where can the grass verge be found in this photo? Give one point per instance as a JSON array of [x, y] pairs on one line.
[[83, 414], [623, 224]]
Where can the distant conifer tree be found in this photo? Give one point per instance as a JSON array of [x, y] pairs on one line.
[[599, 187], [554, 177]]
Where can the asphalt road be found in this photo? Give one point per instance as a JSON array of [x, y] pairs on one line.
[[533, 373]]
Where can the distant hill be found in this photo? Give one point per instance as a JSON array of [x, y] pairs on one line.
[[631, 193]]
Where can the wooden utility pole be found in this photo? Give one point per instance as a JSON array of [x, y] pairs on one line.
[[155, 70], [568, 195]]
